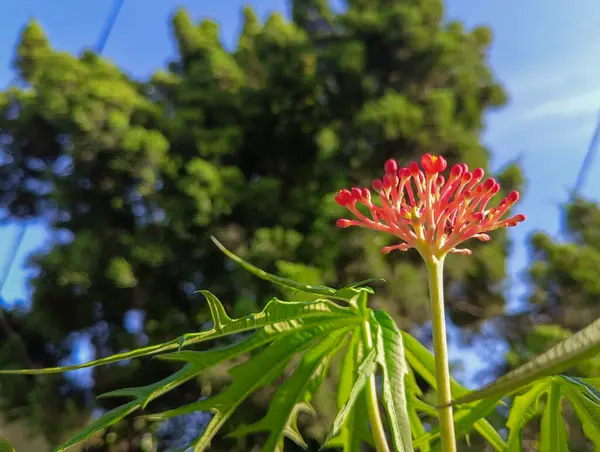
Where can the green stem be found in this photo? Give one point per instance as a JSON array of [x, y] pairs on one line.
[[435, 268], [377, 429]]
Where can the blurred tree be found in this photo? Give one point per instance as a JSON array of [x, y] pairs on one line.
[[249, 145]]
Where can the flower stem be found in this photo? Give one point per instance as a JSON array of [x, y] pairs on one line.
[[435, 268], [377, 429]]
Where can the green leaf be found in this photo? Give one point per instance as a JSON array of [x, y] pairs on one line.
[[356, 427], [351, 290], [5, 446], [390, 356], [353, 355], [422, 362], [295, 394], [463, 424], [524, 408], [586, 408], [248, 377], [553, 434], [278, 317], [586, 387], [290, 284], [196, 363], [365, 370], [415, 404], [582, 345], [106, 420]]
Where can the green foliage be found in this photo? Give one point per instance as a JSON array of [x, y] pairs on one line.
[[390, 356], [316, 330], [564, 299], [247, 144], [582, 345], [422, 363], [5, 446], [580, 393]]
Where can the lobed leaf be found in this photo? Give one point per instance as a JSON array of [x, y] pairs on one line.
[[553, 434], [277, 317], [463, 424], [390, 356], [285, 282], [347, 293], [356, 427], [295, 393], [251, 375], [364, 370], [586, 407], [582, 345], [524, 408]]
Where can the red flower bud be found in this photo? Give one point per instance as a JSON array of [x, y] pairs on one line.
[[391, 166], [433, 164], [343, 223]]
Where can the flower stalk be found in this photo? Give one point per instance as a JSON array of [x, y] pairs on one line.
[[432, 214], [435, 268]]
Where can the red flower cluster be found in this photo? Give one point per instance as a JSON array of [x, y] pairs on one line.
[[428, 212]]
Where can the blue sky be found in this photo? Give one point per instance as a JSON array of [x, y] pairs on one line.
[[545, 52]]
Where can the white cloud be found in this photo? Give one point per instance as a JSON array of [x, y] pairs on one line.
[[566, 106]]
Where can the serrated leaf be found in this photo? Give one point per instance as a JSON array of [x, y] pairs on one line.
[[295, 392], [196, 363], [277, 317], [582, 345], [422, 362], [524, 408], [365, 370], [587, 410], [199, 361], [390, 356], [248, 377], [553, 434]]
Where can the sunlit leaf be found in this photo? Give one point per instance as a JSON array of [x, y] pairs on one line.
[[586, 408], [106, 420], [277, 317], [553, 434], [523, 409], [356, 428], [463, 424], [351, 290], [390, 356], [364, 371], [295, 394], [582, 345], [248, 377], [285, 282]]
